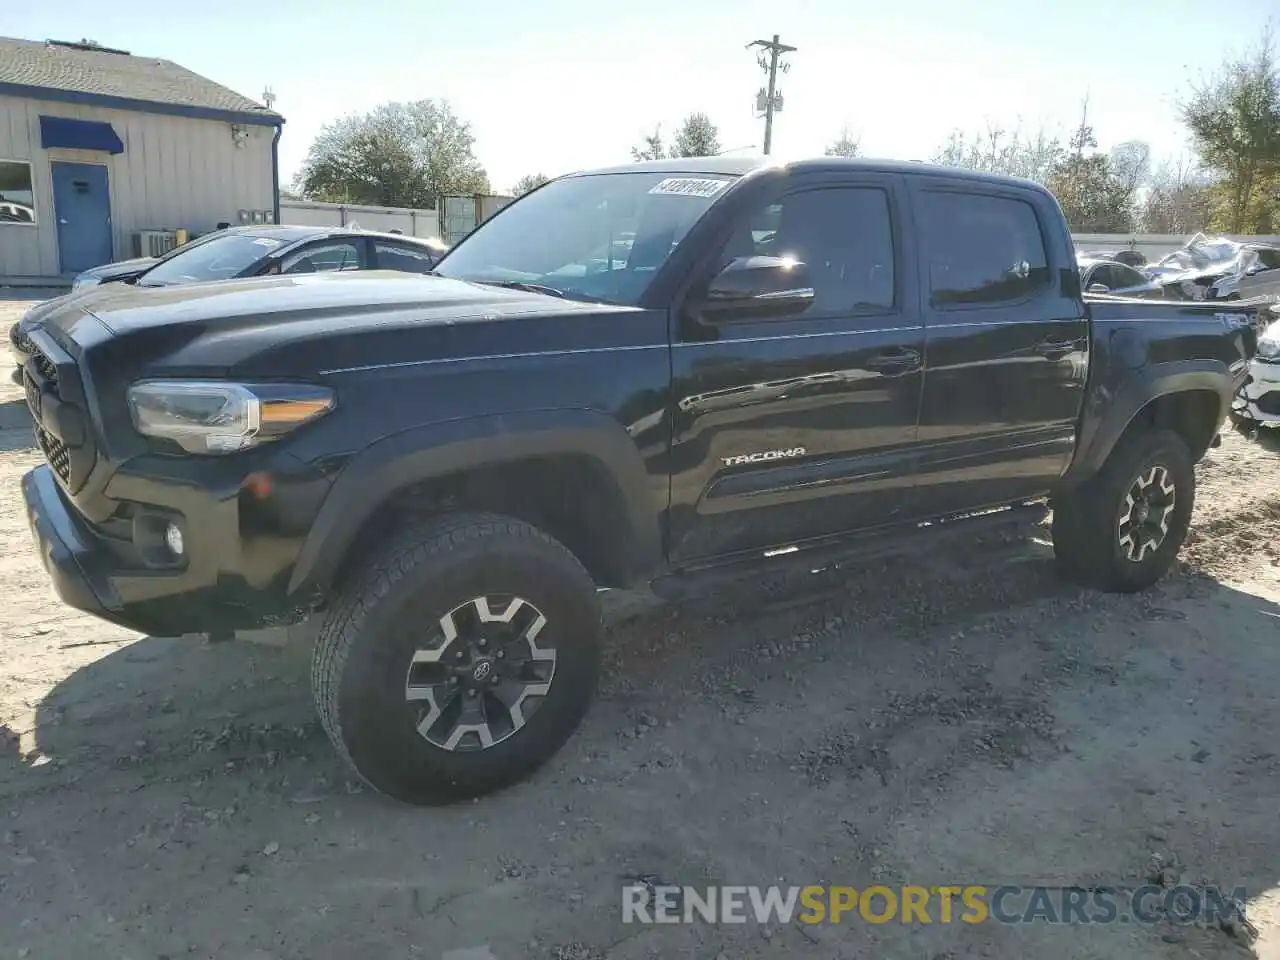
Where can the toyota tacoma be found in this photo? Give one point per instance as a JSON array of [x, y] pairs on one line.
[[643, 375]]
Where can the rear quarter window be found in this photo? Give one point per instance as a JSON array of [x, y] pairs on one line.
[[980, 249]]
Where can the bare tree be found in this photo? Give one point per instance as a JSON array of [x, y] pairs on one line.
[[1179, 200], [996, 150], [846, 145]]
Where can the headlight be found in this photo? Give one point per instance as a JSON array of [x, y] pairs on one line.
[[212, 417], [79, 282], [1269, 342]]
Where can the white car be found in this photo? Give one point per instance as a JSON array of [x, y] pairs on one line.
[[1259, 399]]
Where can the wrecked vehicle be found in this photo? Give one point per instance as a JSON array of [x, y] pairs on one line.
[[1197, 269], [795, 363]]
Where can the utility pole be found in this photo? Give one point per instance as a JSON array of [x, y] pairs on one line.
[[769, 101]]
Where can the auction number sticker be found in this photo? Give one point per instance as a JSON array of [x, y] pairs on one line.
[[690, 187]]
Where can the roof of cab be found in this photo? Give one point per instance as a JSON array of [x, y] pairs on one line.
[[743, 165]]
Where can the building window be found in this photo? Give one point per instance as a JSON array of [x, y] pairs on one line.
[[17, 198]]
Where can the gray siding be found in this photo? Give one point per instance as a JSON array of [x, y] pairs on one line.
[[174, 172]]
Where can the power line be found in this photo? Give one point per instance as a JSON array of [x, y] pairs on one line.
[[769, 100]]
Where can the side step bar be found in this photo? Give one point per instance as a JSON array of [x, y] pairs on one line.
[[818, 556]]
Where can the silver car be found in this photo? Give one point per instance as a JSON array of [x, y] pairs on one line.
[[1260, 277]]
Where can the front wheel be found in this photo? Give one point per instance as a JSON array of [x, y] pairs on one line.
[[460, 661], [1122, 530]]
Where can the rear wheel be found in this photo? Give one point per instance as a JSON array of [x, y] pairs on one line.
[[1122, 530], [460, 661]]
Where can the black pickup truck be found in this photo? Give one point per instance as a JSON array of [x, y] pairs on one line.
[[630, 376]]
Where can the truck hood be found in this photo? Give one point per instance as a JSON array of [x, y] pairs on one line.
[[310, 322], [120, 270]]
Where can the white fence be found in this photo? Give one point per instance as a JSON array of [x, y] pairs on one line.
[[310, 213], [414, 222], [1153, 246]]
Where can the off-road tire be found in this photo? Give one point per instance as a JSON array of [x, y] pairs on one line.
[[384, 612], [1086, 539]]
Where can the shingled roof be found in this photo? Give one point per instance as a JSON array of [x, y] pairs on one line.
[[102, 72]]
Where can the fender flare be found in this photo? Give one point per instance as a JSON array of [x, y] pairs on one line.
[[405, 459], [1139, 388]]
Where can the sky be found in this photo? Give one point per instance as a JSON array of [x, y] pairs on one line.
[[553, 86]]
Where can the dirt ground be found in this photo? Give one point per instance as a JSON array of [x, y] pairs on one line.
[[949, 721]]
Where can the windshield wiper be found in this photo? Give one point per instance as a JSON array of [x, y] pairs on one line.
[[522, 285]]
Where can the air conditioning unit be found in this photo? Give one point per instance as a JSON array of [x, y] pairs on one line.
[[154, 243]]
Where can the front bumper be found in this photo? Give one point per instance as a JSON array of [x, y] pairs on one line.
[[234, 575], [66, 548]]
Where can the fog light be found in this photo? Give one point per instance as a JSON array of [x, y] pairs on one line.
[[173, 539]]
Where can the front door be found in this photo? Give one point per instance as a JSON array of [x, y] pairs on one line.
[[82, 204], [801, 427], [1006, 347]]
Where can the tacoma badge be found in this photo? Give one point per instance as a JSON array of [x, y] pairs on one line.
[[763, 456]]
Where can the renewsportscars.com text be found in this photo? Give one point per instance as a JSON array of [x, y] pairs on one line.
[[970, 904]]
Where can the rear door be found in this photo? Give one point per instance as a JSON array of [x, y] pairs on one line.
[[801, 427], [1006, 346]]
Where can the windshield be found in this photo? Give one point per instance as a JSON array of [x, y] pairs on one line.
[[600, 237], [220, 258]]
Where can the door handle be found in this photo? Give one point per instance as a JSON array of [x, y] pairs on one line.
[[1055, 349], [893, 361]]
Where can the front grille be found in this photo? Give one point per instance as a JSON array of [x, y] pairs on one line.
[[45, 366], [71, 464], [56, 452]]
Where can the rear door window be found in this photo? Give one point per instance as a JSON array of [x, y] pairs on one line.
[[402, 257], [980, 250], [323, 258]]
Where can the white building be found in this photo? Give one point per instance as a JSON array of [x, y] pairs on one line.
[[99, 147]]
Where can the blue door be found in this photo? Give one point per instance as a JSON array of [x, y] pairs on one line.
[[82, 205]]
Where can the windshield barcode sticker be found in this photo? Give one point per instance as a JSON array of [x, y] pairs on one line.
[[690, 187]]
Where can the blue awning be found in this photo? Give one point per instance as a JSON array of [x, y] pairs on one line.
[[78, 135]]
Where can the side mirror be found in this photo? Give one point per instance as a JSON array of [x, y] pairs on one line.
[[758, 288], [1098, 288], [271, 269]]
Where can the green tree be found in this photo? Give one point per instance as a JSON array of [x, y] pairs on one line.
[[1234, 121], [398, 154], [530, 181], [698, 137], [1097, 191], [846, 145]]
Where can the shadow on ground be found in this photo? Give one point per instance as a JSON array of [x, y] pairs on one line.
[[928, 721]]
